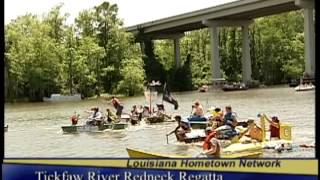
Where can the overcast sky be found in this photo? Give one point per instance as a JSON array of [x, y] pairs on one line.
[[132, 12]]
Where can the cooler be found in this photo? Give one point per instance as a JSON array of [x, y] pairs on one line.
[[285, 132]]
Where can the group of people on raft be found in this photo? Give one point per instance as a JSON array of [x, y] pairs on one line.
[[223, 128], [137, 113], [96, 117]]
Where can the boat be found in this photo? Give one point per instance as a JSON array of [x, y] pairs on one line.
[[59, 97], [92, 128], [234, 87], [231, 152], [6, 128], [305, 87]]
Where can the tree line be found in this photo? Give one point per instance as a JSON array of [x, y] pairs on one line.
[[94, 54]]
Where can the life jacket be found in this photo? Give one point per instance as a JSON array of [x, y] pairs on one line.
[[274, 131], [115, 103], [228, 119], [217, 114], [207, 144]]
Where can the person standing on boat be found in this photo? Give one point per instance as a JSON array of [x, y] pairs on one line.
[[74, 118], [197, 112], [274, 127], [117, 105]]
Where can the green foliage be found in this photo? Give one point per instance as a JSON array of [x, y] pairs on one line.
[[230, 52], [277, 47], [45, 56], [30, 56], [95, 54], [133, 77]]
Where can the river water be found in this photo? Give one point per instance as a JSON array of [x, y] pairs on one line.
[[35, 128]]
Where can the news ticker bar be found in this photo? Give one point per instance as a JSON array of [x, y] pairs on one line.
[[55, 172], [278, 166]]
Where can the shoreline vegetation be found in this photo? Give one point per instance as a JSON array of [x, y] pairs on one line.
[[95, 55]]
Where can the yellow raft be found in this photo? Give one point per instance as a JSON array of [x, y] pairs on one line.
[[236, 150]]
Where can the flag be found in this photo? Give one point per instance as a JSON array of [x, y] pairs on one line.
[[167, 97]]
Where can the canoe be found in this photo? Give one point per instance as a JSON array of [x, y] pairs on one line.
[[91, 128], [119, 126], [136, 153], [6, 128]]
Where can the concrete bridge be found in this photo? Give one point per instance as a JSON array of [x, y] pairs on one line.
[[240, 13]]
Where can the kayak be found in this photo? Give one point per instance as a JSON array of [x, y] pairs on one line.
[[254, 153], [92, 128]]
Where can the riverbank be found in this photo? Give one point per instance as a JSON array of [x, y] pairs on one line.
[[107, 96]]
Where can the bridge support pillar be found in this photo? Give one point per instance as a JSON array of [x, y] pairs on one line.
[[177, 60], [309, 35], [215, 57], [246, 60]]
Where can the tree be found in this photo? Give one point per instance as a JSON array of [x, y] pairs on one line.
[[31, 56]]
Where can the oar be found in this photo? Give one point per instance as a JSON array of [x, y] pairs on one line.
[[167, 135]]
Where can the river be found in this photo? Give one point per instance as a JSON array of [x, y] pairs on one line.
[[35, 128]]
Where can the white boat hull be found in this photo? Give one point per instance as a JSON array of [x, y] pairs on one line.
[[304, 88], [58, 97]]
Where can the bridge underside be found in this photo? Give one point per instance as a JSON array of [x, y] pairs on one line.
[[239, 13], [199, 25]]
